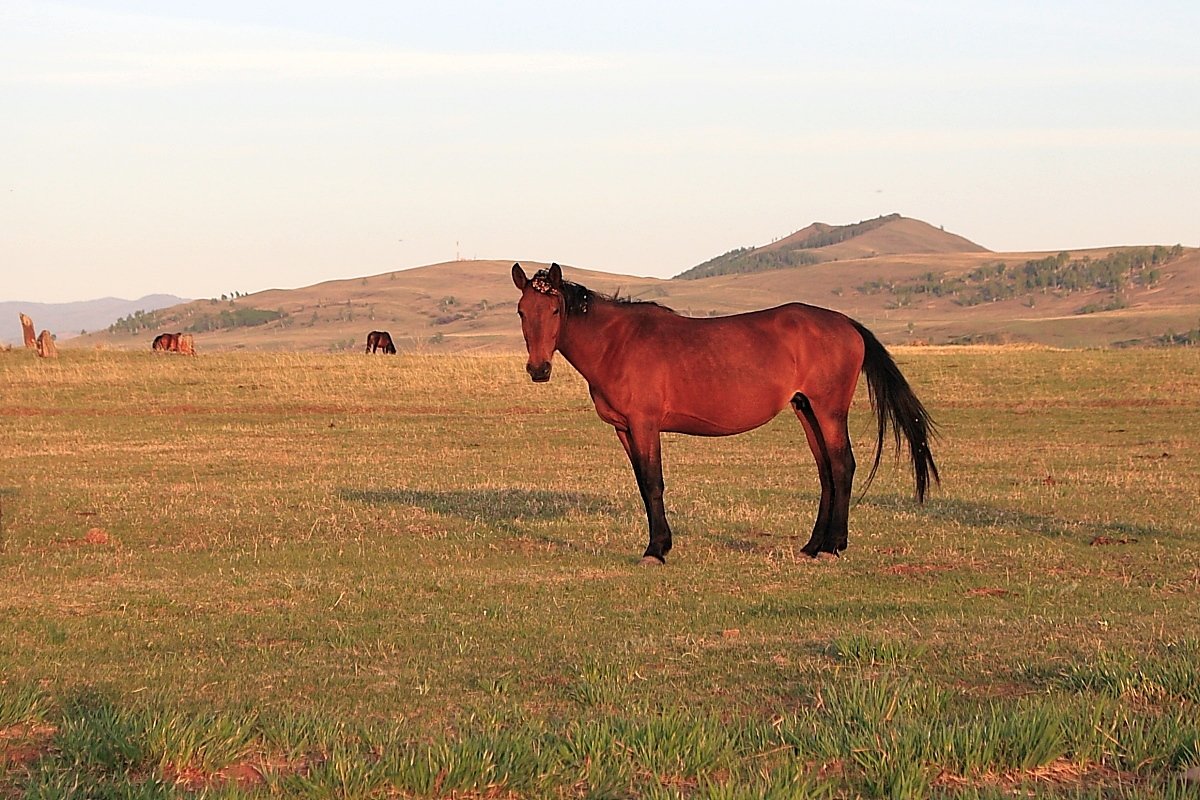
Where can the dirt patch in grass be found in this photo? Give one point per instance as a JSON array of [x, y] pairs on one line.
[[22, 745], [988, 591], [1061, 772], [1101, 541], [243, 775], [95, 537]]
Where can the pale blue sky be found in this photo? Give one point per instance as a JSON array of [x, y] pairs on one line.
[[206, 147]]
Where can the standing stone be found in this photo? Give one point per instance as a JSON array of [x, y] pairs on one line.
[[27, 331]]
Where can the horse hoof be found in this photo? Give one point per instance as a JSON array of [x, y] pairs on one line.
[[651, 561]]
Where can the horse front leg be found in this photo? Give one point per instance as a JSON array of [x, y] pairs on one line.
[[645, 455]]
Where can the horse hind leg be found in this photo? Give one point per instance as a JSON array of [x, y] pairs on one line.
[[841, 458], [829, 438], [820, 539]]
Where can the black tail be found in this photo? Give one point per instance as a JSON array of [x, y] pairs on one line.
[[896, 405]]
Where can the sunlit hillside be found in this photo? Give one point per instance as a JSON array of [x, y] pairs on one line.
[[901, 277]]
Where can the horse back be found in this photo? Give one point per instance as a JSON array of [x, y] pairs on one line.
[[721, 375], [770, 339]]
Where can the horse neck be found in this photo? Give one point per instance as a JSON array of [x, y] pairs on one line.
[[585, 338]]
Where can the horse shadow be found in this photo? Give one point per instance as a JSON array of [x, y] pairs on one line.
[[983, 515], [503, 507], [974, 515]]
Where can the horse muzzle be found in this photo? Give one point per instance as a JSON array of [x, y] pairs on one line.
[[539, 372]]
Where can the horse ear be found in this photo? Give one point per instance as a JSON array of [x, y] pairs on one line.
[[555, 276], [519, 278]]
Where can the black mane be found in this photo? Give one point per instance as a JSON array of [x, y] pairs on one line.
[[578, 298]]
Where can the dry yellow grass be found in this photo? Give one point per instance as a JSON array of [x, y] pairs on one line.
[[393, 567]]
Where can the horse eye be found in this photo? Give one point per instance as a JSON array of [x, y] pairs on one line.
[[556, 312]]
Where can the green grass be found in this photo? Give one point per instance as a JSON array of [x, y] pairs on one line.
[[246, 575]]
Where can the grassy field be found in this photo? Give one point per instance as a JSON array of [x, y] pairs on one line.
[[244, 575]]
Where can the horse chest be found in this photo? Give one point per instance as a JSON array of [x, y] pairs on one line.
[[606, 411]]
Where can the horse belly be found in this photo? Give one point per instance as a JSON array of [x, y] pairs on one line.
[[723, 408]]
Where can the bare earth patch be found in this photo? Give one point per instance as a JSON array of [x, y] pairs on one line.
[[988, 591], [1100, 541], [193, 779], [94, 537], [22, 745], [1061, 772]]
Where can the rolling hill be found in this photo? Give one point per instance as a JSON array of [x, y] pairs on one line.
[[890, 234], [906, 280]]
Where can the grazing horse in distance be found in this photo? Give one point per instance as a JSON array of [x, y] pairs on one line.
[[181, 343], [380, 340], [650, 370]]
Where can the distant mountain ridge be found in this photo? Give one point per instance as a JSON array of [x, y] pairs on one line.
[[65, 320], [888, 235]]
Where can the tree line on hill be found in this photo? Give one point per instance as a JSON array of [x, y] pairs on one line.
[[840, 233], [744, 260], [751, 259], [1059, 275], [234, 318], [226, 318]]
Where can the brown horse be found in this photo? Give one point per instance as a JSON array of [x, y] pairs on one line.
[[650, 370], [166, 342], [380, 340]]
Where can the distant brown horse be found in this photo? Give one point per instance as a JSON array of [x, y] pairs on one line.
[[650, 370], [380, 340], [166, 342]]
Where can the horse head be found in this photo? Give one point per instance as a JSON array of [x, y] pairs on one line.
[[542, 308]]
